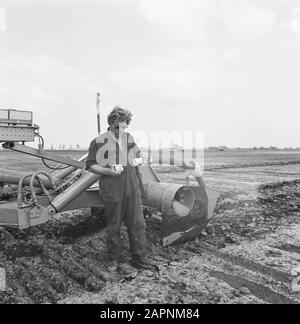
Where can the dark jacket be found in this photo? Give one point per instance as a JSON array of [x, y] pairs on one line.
[[106, 151]]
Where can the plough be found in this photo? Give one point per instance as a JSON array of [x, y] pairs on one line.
[[185, 209]]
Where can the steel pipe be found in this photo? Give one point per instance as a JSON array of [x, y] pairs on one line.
[[12, 177], [170, 198], [74, 191]]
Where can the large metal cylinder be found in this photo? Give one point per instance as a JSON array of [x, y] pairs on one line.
[[184, 210], [170, 198], [73, 191]]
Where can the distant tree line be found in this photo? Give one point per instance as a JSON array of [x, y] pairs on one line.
[[254, 148], [63, 147], [222, 148]]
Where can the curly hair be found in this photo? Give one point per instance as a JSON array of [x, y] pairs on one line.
[[119, 114]]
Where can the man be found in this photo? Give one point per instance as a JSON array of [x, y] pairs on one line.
[[113, 155]]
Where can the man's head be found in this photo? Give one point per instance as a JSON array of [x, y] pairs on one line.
[[118, 120]]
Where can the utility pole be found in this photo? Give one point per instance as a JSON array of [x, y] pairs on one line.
[[98, 112]]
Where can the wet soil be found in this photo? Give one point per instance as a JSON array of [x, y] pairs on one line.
[[247, 254]]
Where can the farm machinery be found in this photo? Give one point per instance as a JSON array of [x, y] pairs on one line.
[[185, 209]]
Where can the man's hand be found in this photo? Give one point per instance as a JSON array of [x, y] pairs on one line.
[[113, 172], [137, 161], [116, 170]]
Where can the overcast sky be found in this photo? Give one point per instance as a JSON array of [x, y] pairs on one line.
[[228, 67]]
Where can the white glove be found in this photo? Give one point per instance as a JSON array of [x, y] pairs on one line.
[[118, 168], [137, 161]]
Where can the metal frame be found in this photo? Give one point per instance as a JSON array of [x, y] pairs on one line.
[[43, 154], [27, 217], [176, 227]]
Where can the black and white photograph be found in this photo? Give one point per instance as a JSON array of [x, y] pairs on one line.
[[149, 155]]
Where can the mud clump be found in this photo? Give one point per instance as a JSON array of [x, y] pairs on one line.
[[40, 265], [280, 199], [277, 204]]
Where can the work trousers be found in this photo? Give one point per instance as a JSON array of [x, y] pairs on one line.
[[127, 209]]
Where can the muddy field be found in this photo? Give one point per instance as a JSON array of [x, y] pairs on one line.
[[250, 252]]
